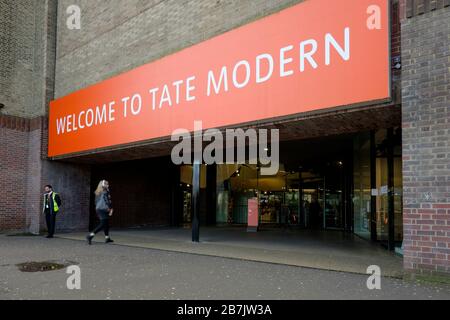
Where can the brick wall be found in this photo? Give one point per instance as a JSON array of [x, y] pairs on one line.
[[27, 51], [418, 7], [115, 37], [18, 171], [72, 182], [17, 25], [396, 38], [13, 162], [33, 182], [140, 191], [426, 137], [24, 172], [25, 67]]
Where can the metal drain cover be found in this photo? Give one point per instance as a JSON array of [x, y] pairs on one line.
[[34, 266]]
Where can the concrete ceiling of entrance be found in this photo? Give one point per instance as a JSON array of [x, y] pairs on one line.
[[304, 126]]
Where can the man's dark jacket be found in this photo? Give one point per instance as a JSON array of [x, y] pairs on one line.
[[50, 202]]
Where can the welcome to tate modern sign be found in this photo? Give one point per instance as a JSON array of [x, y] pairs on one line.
[[315, 55]]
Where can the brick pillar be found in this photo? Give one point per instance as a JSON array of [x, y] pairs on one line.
[[426, 135], [13, 172]]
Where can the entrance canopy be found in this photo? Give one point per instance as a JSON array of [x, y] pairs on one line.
[[311, 125]]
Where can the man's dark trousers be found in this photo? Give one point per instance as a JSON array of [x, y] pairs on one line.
[[50, 217]]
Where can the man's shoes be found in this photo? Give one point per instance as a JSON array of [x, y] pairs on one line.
[[49, 237], [108, 240], [89, 239]]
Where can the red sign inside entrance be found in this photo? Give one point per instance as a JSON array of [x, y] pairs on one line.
[[252, 215], [314, 55]]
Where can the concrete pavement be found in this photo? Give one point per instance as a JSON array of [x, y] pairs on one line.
[[122, 272], [327, 250]]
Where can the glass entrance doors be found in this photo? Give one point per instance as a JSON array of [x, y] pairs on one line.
[[387, 187], [333, 208], [351, 183], [312, 202], [323, 203], [377, 192]]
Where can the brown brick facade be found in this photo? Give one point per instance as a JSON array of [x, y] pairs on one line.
[[13, 164], [27, 65], [24, 171], [418, 7], [140, 190], [426, 135]]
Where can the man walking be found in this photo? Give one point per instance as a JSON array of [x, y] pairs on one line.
[[52, 203]]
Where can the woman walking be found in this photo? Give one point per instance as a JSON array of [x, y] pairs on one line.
[[103, 208]]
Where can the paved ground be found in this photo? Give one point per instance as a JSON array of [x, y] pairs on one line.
[[328, 250], [121, 272]]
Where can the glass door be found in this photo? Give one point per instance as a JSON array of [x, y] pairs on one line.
[[334, 196], [322, 204], [187, 200], [312, 202], [382, 200], [333, 209], [362, 197], [387, 188]]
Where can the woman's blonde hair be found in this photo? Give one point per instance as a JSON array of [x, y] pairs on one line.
[[100, 187]]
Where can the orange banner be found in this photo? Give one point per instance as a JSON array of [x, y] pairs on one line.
[[314, 55]]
